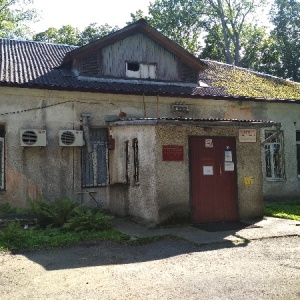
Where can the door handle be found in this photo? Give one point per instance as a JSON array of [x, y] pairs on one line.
[[220, 169]]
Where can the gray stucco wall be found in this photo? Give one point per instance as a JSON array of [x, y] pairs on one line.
[[53, 171], [163, 193]]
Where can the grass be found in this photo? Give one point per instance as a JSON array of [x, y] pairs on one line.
[[285, 210], [14, 237]]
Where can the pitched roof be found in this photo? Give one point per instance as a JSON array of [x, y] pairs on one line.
[[35, 65], [141, 26], [241, 82]]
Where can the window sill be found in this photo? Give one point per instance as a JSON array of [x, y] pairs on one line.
[[275, 180]]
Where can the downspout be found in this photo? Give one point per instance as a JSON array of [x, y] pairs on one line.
[[274, 135], [86, 131]]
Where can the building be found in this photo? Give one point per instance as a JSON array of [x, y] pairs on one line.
[[126, 124]]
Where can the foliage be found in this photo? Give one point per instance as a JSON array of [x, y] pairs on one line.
[[13, 17], [285, 16], [285, 210], [12, 236], [73, 36], [7, 209], [180, 20], [83, 219], [53, 214]]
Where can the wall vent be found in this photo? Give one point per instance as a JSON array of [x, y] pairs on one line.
[[33, 137], [71, 138]]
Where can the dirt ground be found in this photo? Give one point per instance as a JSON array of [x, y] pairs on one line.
[[166, 269]]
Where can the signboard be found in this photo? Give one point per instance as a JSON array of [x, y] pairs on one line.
[[209, 143], [247, 135], [172, 153]]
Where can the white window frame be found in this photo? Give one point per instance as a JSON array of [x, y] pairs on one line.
[[274, 167], [145, 71]]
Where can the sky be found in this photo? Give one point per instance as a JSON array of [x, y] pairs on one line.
[[57, 13]]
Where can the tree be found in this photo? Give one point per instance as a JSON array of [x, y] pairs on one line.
[[67, 35], [184, 21], [285, 16], [180, 20], [13, 18], [72, 36], [94, 32]]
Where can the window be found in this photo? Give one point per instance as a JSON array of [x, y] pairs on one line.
[[138, 70], [95, 164], [274, 165], [298, 152]]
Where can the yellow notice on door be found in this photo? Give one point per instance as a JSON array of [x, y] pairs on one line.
[[248, 180]]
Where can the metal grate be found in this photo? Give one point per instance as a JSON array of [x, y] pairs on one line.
[[67, 138], [2, 163], [29, 137], [95, 164], [274, 164]]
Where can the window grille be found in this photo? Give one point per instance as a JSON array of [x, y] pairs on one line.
[[135, 146], [2, 164], [95, 163], [298, 152], [274, 161]]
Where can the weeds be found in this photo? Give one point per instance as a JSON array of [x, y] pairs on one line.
[[59, 223]]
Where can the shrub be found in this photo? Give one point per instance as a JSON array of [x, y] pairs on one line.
[[84, 219], [12, 236], [53, 214]]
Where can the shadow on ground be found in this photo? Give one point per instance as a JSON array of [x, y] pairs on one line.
[[95, 253]]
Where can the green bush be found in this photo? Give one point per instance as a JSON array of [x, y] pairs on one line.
[[53, 214], [12, 236], [84, 219]]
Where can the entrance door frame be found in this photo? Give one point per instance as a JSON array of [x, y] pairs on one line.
[[190, 172]]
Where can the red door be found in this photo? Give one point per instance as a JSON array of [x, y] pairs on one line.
[[213, 179]]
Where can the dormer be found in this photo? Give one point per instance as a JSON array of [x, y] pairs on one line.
[[137, 51]]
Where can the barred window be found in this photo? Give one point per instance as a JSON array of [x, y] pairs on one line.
[[298, 152], [274, 161], [2, 181], [95, 163], [135, 146]]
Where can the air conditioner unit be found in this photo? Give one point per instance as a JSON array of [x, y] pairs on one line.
[[33, 137], [71, 138]]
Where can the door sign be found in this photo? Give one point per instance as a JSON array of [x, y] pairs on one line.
[[228, 154], [209, 143], [229, 166], [208, 170]]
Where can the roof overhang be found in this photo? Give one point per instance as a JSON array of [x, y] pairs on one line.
[[195, 122]]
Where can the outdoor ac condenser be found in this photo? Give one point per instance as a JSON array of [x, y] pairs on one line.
[[71, 138], [33, 138]]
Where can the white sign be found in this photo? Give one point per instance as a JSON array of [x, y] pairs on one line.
[[229, 166], [247, 135], [208, 170], [209, 143], [228, 155]]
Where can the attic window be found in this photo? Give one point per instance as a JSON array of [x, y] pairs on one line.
[[139, 70], [133, 67]]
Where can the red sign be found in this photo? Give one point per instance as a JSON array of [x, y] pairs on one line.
[[172, 153]]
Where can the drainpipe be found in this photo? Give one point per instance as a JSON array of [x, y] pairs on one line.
[[274, 135], [86, 131]]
